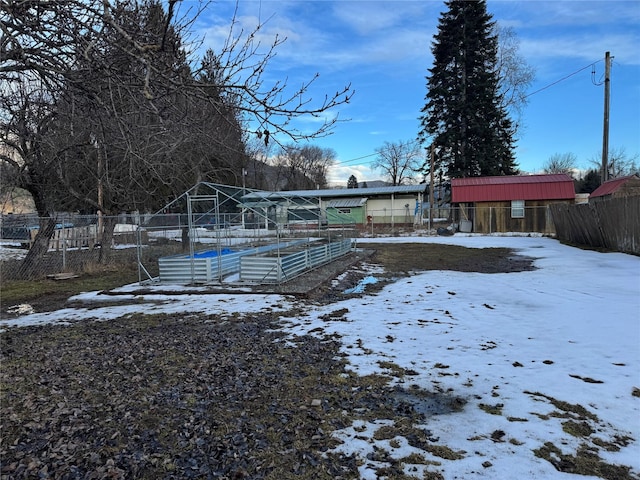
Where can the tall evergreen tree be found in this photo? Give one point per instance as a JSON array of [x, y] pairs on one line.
[[464, 115], [352, 182]]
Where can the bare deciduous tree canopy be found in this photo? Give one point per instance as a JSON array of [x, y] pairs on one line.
[[48, 40], [399, 161], [123, 66], [561, 163], [303, 167], [620, 163], [515, 74]]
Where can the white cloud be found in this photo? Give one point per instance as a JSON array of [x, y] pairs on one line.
[[339, 175], [583, 46], [369, 18], [534, 14]]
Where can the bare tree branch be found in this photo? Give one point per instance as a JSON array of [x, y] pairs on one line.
[[399, 161], [561, 163], [46, 39]]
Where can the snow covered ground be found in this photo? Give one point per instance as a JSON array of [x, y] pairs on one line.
[[568, 331], [527, 352]]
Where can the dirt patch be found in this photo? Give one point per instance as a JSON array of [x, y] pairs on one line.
[[401, 260], [194, 396], [414, 257], [170, 396]]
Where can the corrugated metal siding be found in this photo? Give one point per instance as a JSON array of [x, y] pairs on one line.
[[529, 187], [346, 203], [289, 264], [333, 193], [177, 268]]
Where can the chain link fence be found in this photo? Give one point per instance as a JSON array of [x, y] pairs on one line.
[[78, 243]]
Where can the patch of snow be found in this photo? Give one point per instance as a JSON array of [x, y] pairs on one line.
[[567, 332], [11, 251]]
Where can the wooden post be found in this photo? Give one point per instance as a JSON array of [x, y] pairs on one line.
[[605, 132]]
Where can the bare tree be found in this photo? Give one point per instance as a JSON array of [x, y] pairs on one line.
[[27, 115], [515, 74], [399, 161], [136, 151], [289, 167], [561, 163], [620, 163], [48, 39], [258, 172], [318, 162], [304, 167], [134, 50], [120, 110]]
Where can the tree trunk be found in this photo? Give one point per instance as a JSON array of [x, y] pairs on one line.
[[185, 238], [106, 239], [33, 259]]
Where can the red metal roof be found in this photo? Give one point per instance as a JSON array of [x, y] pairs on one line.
[[557, 186], [610, 186]]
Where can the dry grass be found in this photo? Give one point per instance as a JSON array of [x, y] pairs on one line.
[[49, 294], [585, 462]]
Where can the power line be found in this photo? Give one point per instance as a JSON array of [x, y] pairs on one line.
[[591, 65], [344, 162], [562, 79], [355, 159]]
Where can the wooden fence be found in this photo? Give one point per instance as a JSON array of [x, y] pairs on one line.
[[87, 236], [613, 224], [70, 237]]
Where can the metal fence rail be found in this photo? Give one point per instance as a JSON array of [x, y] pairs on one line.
[[280, 266], [209, 266]]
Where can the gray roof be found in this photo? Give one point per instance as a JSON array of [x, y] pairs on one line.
[[346, 203], [340, 192]]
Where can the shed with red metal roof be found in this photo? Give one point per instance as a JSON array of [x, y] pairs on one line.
[[557, 186], [517, 203], [628, 186]]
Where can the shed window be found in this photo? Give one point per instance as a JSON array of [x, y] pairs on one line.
[[517, 208], [345, 211]]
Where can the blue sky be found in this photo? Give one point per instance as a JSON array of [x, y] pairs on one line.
[[383, 49]]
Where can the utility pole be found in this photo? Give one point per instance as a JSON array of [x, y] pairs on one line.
[[431, 185], [244, 192], [605, 133]]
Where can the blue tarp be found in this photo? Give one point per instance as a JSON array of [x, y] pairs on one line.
[[360, 287], [213, 253]]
